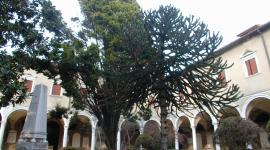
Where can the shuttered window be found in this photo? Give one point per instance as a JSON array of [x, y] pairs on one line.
[[251, 66], [56, 89], [28, 84]]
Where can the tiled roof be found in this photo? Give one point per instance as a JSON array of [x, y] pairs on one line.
[[244, 36]]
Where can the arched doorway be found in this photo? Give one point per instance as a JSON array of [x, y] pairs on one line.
[[184, 134], [130, 130], [55, 133], [80, 132], [13, 129], [258, 111], [205, 131]]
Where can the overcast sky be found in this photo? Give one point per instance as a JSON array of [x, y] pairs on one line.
[[229, 17]]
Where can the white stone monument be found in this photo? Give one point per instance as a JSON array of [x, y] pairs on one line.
[[34, 133]]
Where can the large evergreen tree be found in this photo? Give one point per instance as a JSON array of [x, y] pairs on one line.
[[101, 76], [184, 70]]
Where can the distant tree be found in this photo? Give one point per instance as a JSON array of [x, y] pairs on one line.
[[236, 133], [29, 32], [183, 70]]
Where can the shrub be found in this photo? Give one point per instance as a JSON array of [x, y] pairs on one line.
[[131, 147], [70, 148], [59, 112], [147, 142], [236, 133]]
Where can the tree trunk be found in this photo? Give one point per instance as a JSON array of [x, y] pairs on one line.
[[110, 132], [164, 128], [109, 126]]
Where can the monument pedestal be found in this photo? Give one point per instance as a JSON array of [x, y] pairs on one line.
[[28, 145]]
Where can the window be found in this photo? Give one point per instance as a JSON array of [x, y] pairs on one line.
[[28, 84], [251, 66], [56, 89], [250, 63]]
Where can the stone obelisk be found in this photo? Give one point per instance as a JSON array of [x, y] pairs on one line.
[[34, 133]]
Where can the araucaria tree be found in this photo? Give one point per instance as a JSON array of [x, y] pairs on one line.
[[184, 69]]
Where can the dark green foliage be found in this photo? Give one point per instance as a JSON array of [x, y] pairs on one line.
[[103, 69], [12, 88], [183, 69], [147, 142], [23, 28], [131, 147], [59, 112], [70, 148], [236, 133]]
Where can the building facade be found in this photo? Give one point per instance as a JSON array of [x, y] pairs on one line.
[[249, 55]]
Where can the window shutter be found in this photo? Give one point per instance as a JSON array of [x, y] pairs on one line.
[[253, 66], [83, 92], [222, 76], [248, 67], [56, 90], [28, 84]]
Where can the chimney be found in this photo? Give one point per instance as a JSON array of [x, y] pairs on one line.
[[249, 30]]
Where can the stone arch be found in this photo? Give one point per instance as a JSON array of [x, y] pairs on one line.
[[15, 122], [89, 116], [152, 119], [245, 111], [152, 128], [55, 133], [11, 109], [257, 110], [178, 122], [80, 131], [184, 133], [171, 134], [201, 113], [129, 132], [204, 130]]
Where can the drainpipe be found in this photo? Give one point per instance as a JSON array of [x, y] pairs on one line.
[[264, 46]]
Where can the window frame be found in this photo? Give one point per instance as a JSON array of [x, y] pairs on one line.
[[248, 55], [61, 90], [30, 78]]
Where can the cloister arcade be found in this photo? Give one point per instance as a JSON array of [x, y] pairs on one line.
[[185, 132]]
